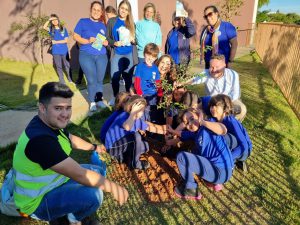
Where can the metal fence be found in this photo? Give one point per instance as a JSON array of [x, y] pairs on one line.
[[278, 45]]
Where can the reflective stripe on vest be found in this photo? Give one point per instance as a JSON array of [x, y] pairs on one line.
[[50, 179]]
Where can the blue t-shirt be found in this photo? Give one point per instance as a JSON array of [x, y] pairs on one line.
[[235, 128], [227, 32], [173, 46], [116, 130], [211, 146], [107, 124], [57, 35], [87, 28], [122, 50], [148, 75]]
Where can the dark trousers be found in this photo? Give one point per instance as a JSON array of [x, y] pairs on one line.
[[132, 145], [58, 61], [151, 108], [121, 65]]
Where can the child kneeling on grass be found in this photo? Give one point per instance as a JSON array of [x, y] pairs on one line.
[[123, 134], [221, 108], [211, 160]]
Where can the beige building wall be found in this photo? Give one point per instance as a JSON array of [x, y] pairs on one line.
[[13, 45]]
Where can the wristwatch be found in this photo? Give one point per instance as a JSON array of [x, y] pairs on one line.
[[95, 147]]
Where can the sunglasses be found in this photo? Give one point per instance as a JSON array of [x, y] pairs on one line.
[[208, 15]]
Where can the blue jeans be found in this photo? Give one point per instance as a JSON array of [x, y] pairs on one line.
[[94, 67], [72, 199], [190, 164], [121, 65], [58, 61]]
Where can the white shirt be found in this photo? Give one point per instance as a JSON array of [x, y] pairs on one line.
[[228, 84]]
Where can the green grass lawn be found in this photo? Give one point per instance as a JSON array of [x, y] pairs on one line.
[[21, 81], [267, 194]]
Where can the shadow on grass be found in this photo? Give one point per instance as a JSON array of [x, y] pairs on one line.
[[267, 194]]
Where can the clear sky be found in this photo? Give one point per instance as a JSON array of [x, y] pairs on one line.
[[284, 6]]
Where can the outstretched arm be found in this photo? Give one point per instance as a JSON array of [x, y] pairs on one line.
[[79, 143], [73, 170], [154, 128], [216, 127]]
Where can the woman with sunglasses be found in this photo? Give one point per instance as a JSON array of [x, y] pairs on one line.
[[178, 39], [90, 34], [218, 37]]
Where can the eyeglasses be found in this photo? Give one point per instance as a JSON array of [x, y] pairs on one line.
[[208, 15]]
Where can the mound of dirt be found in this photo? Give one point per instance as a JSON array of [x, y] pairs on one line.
[[156, 183]]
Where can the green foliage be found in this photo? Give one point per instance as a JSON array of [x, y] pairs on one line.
[[262, 2], [35, 32], [183, 74], [230, 8], [289, 18], [34, 26]]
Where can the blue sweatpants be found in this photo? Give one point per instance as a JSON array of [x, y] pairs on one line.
[[190, 164]]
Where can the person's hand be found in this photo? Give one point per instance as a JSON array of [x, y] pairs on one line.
[[143, 133], [119, 193], [100, 149], [200, 119], [118, 43], [170, 130], [176, 84], [137, 107], [92, 40], [52, 18], [132, 40], [54, 42], [105, 43]]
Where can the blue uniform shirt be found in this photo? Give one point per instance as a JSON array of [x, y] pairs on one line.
[[148, 76], [116, 130], [235, 128], [227, 32], [87, 28], [122, 50], [107, 124], [57, 35], [211, 146]]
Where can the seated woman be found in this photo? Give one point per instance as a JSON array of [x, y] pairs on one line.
[[211, 160], [221, 109], [123, 134]]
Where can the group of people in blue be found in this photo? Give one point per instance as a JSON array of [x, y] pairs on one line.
[[210, 125]]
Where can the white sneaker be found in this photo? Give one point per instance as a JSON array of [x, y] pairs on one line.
[[112, 101], [101, 105], [93, 107]]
